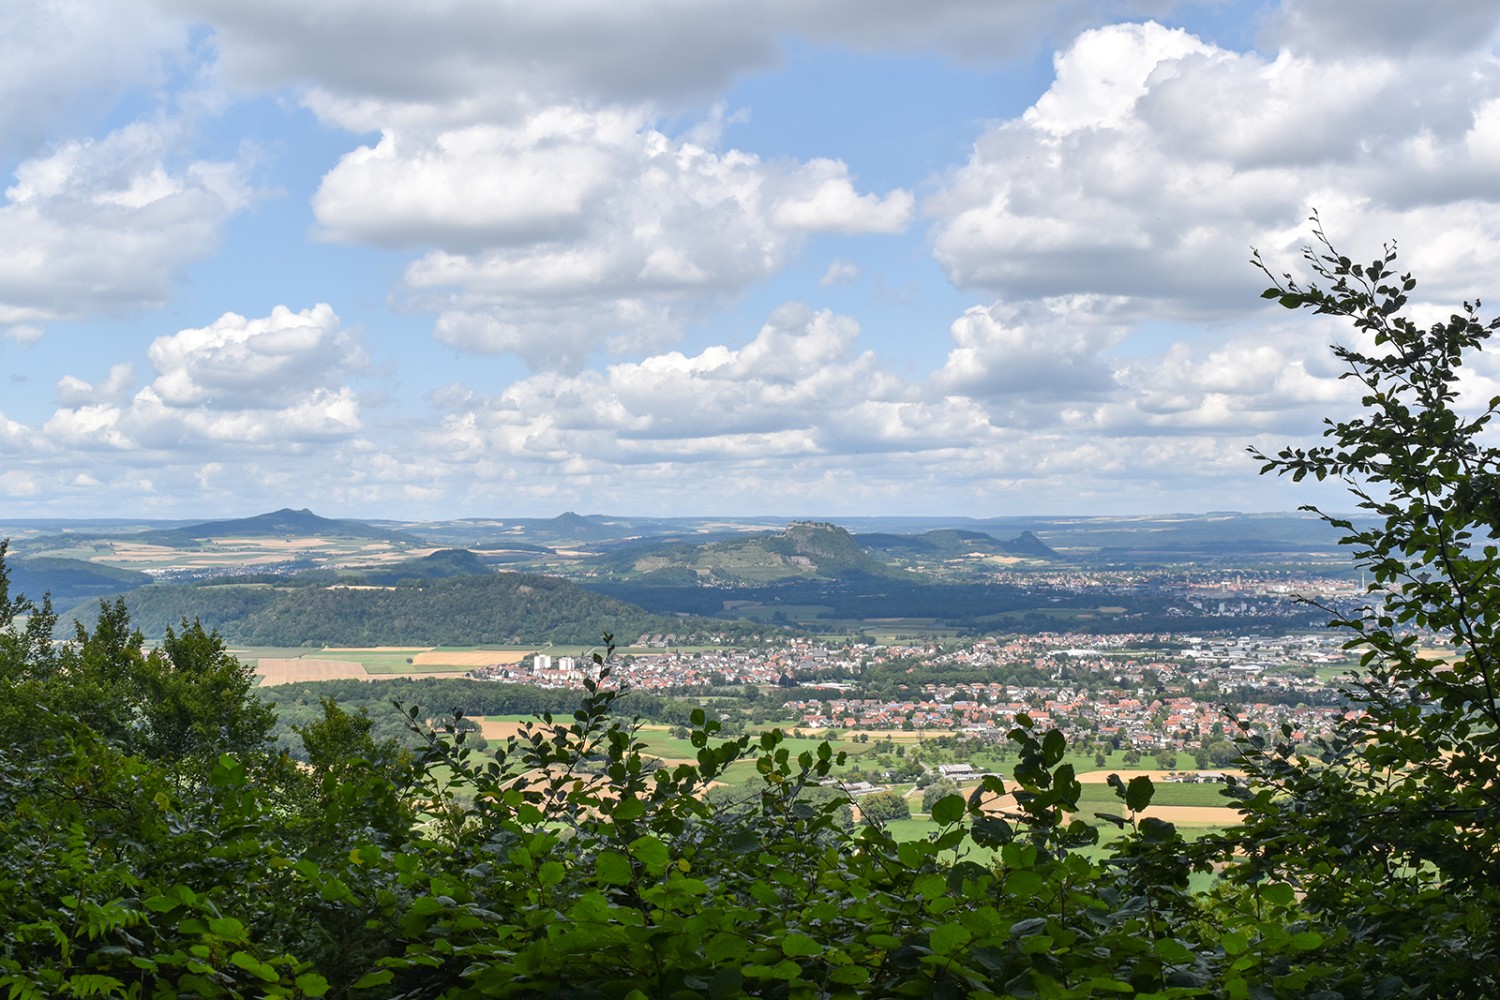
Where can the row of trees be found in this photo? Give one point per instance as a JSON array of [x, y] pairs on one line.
[[157, 845], [298, 705]]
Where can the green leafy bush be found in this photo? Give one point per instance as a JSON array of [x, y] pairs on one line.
[[1388, 834]]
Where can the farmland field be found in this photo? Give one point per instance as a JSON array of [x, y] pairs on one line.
[[376, 661], [1168, 794], [501, 727], [467, 658], [273, 671], [421, 660]]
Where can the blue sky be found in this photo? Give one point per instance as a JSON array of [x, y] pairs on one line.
[[484, 258]]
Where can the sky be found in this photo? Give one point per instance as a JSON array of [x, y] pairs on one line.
[[488, 258]]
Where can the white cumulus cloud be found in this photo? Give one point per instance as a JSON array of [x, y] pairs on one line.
[[105, 225], [1155, 161], [240, 363], [117, 385], [67, 58], [1049, 349], [575, 229], [790, 391], [24, 334], [363, 61], [270, 383]]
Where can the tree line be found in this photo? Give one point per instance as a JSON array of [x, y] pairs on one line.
[[443, 699]]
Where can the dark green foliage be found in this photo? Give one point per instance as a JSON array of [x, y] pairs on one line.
[[1390, 833], [882, 807], [72, 580], [341, 741], [195, 705], [566, 864], [939, 789], [300, 705], [858, 596]]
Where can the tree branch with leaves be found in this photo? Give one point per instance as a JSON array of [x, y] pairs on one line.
[[1391, 833]]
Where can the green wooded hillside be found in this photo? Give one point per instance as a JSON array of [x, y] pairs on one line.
[[436, 566], [495, 608], [804, 549], [72, 580]]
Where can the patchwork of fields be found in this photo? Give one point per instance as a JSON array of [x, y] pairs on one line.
[[283, 666], [1200, 807]]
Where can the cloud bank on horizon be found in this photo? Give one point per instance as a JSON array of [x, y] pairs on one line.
[[694, 256]]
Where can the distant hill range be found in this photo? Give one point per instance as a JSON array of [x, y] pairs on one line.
[[288, 523], [659, 552], [955, 542], [804, 549], [1170, 536], [534, 533], [284, 523]]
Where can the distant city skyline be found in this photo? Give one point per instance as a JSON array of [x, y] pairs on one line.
[[494, 259]]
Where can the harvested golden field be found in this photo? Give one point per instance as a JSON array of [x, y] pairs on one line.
[[135, 553], [469, 658], [380, 553], [132, 552], [273, 671], [499, 729], [275, 543], [897, 735]]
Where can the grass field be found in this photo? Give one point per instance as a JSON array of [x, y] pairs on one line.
[[249, 654], [885, 631], [375, 661], [1167, 794], [433, 669]]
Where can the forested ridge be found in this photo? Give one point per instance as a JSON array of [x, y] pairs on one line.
[[158, 844], [802, 549], [73, 579], [495, 608]]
